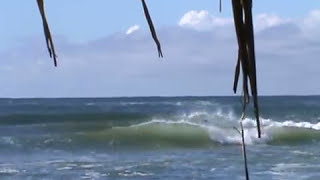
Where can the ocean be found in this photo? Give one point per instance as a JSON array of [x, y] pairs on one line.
[[158, 138]]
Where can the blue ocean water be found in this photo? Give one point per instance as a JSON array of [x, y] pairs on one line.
[[157, 138]]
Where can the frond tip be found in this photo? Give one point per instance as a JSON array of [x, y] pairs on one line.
[[152, 29], [47, 33]]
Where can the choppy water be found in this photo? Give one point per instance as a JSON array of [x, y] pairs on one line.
[[157, 138]]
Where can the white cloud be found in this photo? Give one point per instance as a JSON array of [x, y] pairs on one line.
[[132, 29], [313, 19], [311, 24], [202, 20], [264, 21]]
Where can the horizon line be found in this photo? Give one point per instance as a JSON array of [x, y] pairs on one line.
[[154, 96]]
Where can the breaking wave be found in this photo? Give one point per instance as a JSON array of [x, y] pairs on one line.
[[188, 129], [162, 133]]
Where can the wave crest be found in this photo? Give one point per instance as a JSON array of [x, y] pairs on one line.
[[162, 133]]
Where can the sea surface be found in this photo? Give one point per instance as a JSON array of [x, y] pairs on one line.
[[158, 138]]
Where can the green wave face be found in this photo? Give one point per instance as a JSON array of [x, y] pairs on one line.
[[294, 135], [157, 135], [187, 135]]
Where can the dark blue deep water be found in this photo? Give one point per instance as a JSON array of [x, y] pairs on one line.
[[158, 138]]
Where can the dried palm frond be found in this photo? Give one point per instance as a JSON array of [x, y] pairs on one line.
[[152, 29], [242, 11], [47, 33]]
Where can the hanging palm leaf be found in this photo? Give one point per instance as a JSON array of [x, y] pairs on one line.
[[242, 13], [47, 33], [152, 29]]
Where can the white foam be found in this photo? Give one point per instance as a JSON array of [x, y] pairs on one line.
[[134, 174], [89, 166], [205, 103], [232, 136], [132, 103], [249, 123], [218, 114], [197, 114], [90, 104], [92, 175], [302, 153], [163, 121], [8, 140], [7, 170], [267, 129], [64, 168], [228, 135]]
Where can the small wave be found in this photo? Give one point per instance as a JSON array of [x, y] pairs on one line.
[[205, 103], [134, 174], [132, 103], [7, 140], [93, 175], [7, 170], [197, 114], [90, 104], [64, 168]]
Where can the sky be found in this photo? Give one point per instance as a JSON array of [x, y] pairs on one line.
[[104, 48]]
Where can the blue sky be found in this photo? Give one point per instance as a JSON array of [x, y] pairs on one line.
[[98, 56], [83, 20]]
